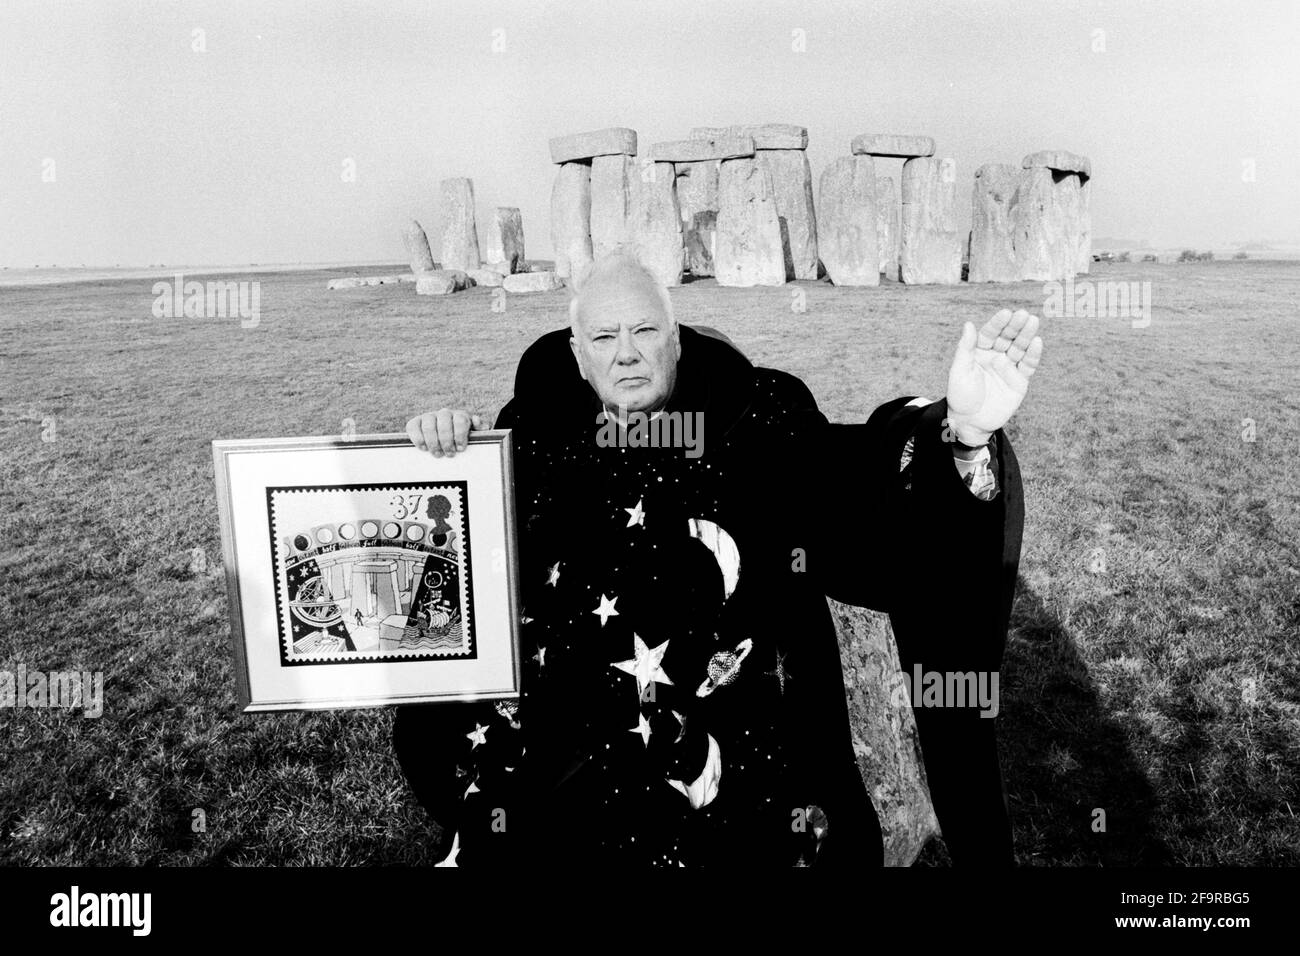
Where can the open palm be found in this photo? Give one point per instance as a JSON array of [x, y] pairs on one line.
[[990, 373]]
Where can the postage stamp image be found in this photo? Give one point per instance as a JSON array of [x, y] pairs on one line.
[[372, 572]]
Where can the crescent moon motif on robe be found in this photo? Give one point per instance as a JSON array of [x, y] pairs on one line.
[[723, 547]]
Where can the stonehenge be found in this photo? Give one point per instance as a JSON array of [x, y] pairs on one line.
[[928, 245], [459, 234], [736, 203], [596, 160], [780, 149]]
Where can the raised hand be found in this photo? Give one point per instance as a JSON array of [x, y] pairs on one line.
[[990, 374]]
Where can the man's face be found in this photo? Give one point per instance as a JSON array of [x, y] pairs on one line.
[[626, 348]]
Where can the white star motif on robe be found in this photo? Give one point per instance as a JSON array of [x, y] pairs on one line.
[[553, 575], [636, 515], [540, 657], [606, 609], [478, 735], [646, 666], [779, 672], [643, 728]]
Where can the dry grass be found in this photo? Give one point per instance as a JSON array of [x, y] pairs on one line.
[[1128, 689]]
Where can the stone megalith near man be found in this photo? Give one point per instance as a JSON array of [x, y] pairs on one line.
[[848, 222], [891, 224], [992, 240], [418, 252], [505, 240], [611, 201], [459, 234], [781, 149], [747, 245], [571, 219], [572, 193], [1053, 228], [572, 197], [655, 220], [930, 251]]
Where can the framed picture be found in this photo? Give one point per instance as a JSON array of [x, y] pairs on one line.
[[363, 572]]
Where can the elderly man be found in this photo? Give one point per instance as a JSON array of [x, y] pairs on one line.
[[683, 701]]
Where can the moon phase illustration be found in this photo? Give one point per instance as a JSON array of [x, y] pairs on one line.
[[723, 547]]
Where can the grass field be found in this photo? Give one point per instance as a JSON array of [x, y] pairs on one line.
[[1153, 668]]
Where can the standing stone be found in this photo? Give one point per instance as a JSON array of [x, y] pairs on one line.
[[848, 221], [1083, 239], [792, 188], [883, 728], [699, 238], [505, 240], [747, 247], [887, 227], [571, 218], [1055, 238], [931, 246], [1067, 193], [1038, 228], [992, 243], [611, 202], [459, 234], [417, 248], [655, 220]]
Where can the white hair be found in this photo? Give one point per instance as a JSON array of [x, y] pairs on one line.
[[623, 259]]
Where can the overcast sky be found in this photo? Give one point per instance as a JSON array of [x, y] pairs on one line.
[[162, 153]]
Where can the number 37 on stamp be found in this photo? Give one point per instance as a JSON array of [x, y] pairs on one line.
[[365, 572]]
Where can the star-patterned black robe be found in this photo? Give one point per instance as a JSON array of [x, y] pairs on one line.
[[638, 663]]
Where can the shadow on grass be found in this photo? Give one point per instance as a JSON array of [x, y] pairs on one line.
[[1063, 757]]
